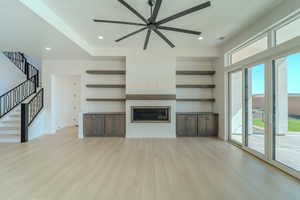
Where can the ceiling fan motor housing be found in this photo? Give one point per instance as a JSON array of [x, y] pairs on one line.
[[151, 3]]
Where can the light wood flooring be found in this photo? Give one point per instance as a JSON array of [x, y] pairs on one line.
[[62, 167]]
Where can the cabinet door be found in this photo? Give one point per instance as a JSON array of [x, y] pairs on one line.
[[212, 125], [115, 125], [186, 125], [202, 125], [93, 125]]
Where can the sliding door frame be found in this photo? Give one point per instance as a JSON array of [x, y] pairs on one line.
[[229, 108], [266, 57], [272, 157], [266, 109]]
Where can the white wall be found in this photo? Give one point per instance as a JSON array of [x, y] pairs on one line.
[[281, 11], [150, 73], [10, 76], [37, 127], [65, 101]]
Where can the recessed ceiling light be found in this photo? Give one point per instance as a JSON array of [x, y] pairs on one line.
[[200, 38], [100, 37], [48, 48]]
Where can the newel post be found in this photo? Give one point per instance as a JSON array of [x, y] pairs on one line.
[[24, 123]]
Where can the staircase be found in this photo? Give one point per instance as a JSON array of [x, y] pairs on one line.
[[10, 127], [20, 105]]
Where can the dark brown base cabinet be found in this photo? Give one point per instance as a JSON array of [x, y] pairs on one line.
[[197, 125], [104, 125]]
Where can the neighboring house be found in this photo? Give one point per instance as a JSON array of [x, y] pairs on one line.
[[294, 103]]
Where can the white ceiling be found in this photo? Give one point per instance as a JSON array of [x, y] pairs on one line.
[[223, 18], [24, 30]]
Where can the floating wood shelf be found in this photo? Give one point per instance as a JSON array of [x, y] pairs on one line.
[[104, 86], [196, 86], [195, 72], [103, 99], [150, 97], [106, 72], [202, 100]]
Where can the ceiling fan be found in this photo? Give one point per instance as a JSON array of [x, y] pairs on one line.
[[152, 24]]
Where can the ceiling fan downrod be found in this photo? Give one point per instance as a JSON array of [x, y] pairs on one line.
[[151, 3]]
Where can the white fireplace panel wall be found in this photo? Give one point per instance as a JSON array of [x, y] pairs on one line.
[[151, 130], [149, 73]]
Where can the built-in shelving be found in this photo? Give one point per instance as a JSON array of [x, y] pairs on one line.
[[106, 72], [195, 86], [105, 99], [104, 86], [195, 72]]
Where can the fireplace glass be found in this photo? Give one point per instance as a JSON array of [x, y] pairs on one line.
[[150, 114]]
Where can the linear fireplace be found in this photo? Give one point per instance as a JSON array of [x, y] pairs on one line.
[[147, 114]]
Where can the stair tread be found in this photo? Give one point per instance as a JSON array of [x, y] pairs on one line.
[[11, 121], [15, 115]]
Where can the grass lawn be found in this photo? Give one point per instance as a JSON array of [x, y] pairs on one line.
[[294, 125]]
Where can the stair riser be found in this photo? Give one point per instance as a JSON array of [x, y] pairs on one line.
[[10, 132], [10, 140], [9, 128]]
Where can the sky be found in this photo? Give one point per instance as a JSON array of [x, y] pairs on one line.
[[258, 76]]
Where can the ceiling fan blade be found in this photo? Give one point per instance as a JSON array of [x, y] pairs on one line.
[[133, 10], [155, 11], [185, 12], [164, 38], [147, 39], [130, 34], [179, 30], [118, 22]]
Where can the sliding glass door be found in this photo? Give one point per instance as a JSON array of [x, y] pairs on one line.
[[236, 106], [255, 108], [264, 110], [286, 111]]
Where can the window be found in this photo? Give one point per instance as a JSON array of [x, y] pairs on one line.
[[287, 32], [286, 119], [236, 106], [283, 31], [250, 50], [264, 96], [255, 108]]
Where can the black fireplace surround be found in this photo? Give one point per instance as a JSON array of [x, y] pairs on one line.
[[159, 114]]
